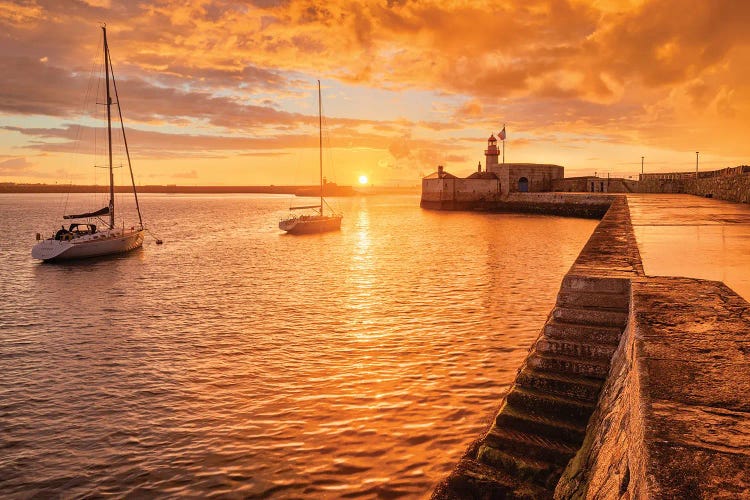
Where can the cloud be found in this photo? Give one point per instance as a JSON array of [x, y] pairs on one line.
[[152, 144], [217, 78], [470, 109], [15, 166]]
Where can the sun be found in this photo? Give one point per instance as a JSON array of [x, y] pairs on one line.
[[363, 179]]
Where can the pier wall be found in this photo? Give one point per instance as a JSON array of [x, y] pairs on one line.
[[730, 184], [592, 184], [673, 419], [444, 193], [635, 388], [585, 205]]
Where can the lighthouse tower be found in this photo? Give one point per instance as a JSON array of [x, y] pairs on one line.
[[491, 153]]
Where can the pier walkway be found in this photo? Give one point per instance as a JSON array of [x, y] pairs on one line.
[[684, 235]]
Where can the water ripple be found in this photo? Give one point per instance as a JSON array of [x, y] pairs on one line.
[[234, 361]]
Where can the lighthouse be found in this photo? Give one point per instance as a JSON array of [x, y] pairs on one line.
[[491, 153]]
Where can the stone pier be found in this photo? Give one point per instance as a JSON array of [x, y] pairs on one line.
[[584, 205], [636, 388]]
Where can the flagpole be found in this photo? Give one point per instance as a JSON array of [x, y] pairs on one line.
[[504, 143]]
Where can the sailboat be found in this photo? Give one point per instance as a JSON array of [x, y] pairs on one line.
[[318, 222], [86, 239]]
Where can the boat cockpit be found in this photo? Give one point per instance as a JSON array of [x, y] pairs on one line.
[[74, 231]]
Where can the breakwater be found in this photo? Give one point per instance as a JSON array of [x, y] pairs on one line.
[[627, 392]]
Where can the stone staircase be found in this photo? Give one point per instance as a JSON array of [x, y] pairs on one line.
[[542, 422]]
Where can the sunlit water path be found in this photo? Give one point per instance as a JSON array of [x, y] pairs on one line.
[[237, 360]]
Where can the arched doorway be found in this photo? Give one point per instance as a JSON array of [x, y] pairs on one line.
[[523, 185]]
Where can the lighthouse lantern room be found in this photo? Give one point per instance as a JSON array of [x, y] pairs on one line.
[[492, 154]]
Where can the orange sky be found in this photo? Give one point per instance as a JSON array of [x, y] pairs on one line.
[[223, 92]]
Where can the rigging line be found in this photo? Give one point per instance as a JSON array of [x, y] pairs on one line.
[[125, 142], [331, 158]]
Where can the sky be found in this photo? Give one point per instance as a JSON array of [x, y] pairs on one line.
[[218, 92]]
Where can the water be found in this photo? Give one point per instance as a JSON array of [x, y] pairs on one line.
[[237, 361]]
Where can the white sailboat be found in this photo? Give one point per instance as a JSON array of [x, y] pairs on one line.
[[318, 222], [85, 239]]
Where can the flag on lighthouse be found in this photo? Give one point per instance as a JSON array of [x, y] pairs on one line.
[[501, 135]]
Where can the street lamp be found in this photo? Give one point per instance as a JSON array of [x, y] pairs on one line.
[[696, 164], [642, 157]]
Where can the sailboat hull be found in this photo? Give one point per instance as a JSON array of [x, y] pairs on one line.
[[94, 245], [310, 224]]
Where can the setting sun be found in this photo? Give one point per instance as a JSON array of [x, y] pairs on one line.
[[363, 179]]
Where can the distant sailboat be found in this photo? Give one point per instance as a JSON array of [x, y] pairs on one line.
[[85, 239], [316, 223]]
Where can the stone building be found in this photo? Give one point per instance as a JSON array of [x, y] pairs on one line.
[[444, 190]]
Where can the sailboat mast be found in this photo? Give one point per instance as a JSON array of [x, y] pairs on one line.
[[320, 134], [109, 134]]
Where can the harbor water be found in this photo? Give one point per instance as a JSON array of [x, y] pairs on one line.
[[235, 360]]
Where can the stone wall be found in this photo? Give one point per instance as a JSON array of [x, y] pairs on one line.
[[731, 184], [673, 419], [593, 184], [584, 205], [539, 177], [723, 187], [670, 186], [450, 191]]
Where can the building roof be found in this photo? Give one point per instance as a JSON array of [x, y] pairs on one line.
[[530, 165], [438, 175], [483, 175], [492, 138]]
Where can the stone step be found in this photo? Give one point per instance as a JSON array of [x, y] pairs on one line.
[[576, 332], [531, 446], [545, 405], [599, 300], [581, 388], [583, 350], [576, 283], [513, 418], [538, 471], [474, 479], [590, 316], [568, 365]]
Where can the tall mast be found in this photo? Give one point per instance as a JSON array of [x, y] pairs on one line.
[[109, 134], [320, 133]]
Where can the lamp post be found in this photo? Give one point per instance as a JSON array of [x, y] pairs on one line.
[[642, 157], [696, 164]]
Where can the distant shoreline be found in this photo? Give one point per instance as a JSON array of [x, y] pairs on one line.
[[10, 187]]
